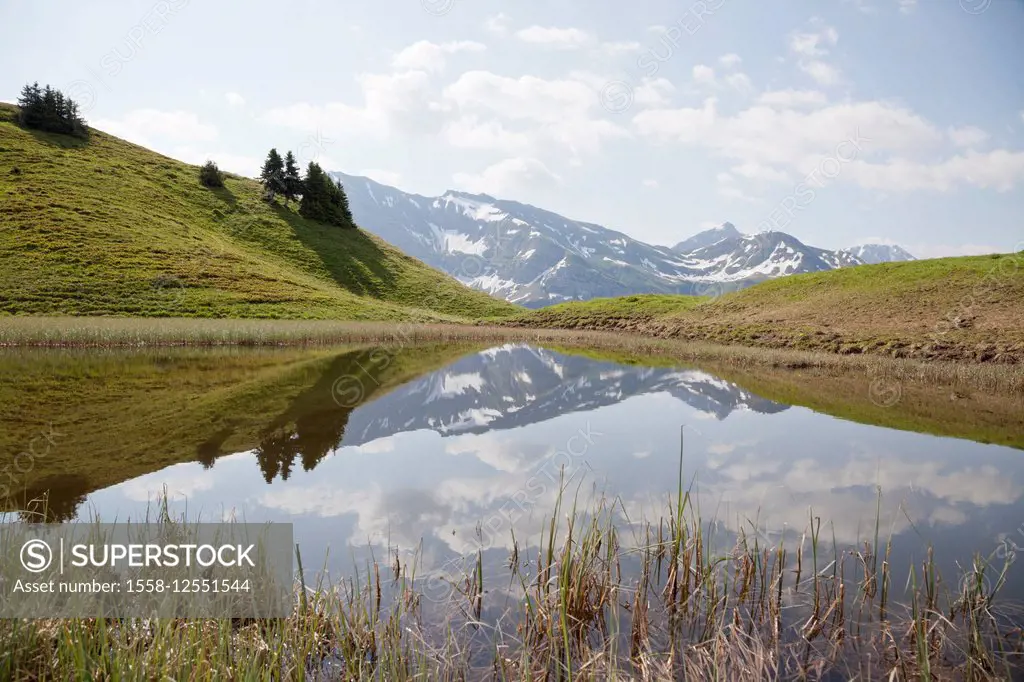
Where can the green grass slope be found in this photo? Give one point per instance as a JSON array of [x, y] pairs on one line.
[[105, 227], [969, 308]]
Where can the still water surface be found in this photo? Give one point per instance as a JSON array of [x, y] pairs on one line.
[[365, 458]]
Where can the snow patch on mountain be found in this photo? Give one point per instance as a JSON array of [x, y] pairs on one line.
[[534, 257], [879, 253]]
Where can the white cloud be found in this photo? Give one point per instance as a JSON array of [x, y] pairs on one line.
[[497, 24], [385, 177], [234, 99], [396, 102], [792, 99], [968, 136], [150, 127], [526, 97], [821, 72], [615, 49], [557, 111], [508, 176], [812, 44], [739, 81], [470, 132], [559, 38], [704, 74], [757, 171], [796, 141], [652, 183], [810, 47], [653, 92], [773, 136], [1000, 170], [730, 61], [427, 56]]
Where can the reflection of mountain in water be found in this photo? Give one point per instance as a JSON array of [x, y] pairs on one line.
[[516, 385], [501, 388], [299, 417]]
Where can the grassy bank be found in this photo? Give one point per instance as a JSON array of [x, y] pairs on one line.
[[959, 309], [594, 599], [78, 422], [105, 227], [39, 332]]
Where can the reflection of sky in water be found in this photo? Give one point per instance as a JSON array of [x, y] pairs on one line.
[[752, 459]]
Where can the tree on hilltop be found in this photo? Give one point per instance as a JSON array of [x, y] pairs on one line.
[[49, 110], [272, 176], [292, 179], [323, 199]]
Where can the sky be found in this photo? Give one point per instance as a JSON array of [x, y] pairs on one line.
[[838, 121]]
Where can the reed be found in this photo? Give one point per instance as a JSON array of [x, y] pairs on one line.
[[689, 606]]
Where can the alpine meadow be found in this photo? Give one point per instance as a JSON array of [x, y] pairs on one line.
[[466, 341]]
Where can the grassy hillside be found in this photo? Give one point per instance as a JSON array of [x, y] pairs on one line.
[[969, 308], [105, 227]]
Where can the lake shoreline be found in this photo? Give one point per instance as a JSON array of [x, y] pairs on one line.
[[92, 333]]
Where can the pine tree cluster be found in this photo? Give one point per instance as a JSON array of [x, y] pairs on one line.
[[49, 110], [322, 199]]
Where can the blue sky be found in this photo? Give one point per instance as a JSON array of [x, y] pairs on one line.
[[839, 122]]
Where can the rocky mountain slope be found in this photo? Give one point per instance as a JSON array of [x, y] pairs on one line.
[[534, 257]]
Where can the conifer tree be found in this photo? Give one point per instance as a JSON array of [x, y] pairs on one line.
[[292, 180], [324, 199], [48, 109], [314, 199], [272, 175], [346, 212]]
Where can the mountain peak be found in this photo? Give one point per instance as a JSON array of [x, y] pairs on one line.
[[708, 237], [874, 252]]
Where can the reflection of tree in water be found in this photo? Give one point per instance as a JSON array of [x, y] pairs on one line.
[[314, 424], [210, 449], [53, 500]]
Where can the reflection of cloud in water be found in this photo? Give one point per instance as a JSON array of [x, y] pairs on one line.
[[843, 490], [503, 451], [180, 481]]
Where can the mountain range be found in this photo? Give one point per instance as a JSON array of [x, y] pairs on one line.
[[515, 385], [534, 257]]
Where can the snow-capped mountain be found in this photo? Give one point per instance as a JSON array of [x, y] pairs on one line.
[[879, 253], [534, 257], [707, 238], [736, 261], [515, 385]]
